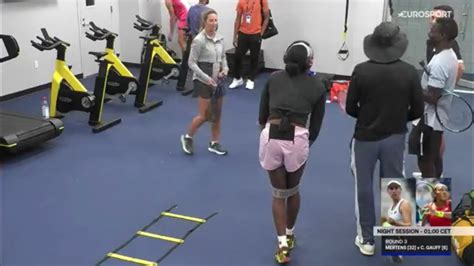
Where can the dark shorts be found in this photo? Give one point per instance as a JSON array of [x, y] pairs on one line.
[[425, 142], [205, 91]]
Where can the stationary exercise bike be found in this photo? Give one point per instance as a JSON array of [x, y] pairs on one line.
[[157, 60], [120, 81], [68, 93]]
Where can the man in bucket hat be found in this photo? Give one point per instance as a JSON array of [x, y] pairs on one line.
[[384, 95]]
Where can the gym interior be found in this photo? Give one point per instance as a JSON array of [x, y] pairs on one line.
[[85, 187]]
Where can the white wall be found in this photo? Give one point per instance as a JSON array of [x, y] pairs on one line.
[[150, 10], [131, 44], [319, 22], [23, 20], [128, 36]]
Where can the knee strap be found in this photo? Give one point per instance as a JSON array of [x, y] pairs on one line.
[[285, 193]]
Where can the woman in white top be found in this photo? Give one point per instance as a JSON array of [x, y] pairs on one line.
[[399, 214]]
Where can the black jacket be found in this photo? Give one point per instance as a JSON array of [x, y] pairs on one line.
[[383, 98]]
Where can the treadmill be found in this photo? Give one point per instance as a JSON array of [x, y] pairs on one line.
[[18, 132]]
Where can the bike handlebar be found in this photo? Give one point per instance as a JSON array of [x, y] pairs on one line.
[[48, 42]]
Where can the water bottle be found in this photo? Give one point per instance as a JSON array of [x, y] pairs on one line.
[[45, 108]]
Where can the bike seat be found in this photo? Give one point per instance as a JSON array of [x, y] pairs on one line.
[[146, 38], [98, 54], [105, 60]]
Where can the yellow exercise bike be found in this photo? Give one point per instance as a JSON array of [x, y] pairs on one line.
[[120, 81], [68, 93], [157, 60]]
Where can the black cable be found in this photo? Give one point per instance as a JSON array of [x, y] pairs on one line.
[[343, 53], [347, 14], [390, 5]]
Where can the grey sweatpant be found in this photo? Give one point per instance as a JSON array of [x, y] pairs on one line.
[[364, 156]]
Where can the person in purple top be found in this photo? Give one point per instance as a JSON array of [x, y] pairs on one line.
[[195, 16]]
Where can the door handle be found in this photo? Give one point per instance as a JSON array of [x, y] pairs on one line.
[[84, 23]]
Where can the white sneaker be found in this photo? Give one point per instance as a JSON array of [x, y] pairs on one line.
[[366, 249], [249, 85], [417, 175], [235, 83]]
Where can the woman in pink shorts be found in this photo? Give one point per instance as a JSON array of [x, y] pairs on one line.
[[291, 114], [178, 12]]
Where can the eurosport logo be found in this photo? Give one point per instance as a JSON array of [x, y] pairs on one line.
[[424, 14]]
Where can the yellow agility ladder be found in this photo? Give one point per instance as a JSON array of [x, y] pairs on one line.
[[143, 233]]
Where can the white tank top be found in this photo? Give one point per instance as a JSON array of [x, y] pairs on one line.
[[395, 213]]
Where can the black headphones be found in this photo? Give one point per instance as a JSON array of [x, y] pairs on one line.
[[306, 45]]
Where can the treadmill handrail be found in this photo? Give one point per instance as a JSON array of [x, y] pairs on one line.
[[11, 46]]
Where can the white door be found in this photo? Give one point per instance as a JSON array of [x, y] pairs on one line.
[[103, 13]]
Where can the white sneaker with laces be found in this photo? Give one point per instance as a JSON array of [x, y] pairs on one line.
[[249, 85], [235, 83], [364, 248]]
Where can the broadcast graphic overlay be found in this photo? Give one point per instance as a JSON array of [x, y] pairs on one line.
[[416, 217]]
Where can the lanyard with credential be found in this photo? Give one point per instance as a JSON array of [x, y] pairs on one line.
[[249, 11]]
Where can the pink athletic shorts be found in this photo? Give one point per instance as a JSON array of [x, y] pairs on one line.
[[274, 153], [182, 23]]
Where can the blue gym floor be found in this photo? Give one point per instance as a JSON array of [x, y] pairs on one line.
[[76, 198]]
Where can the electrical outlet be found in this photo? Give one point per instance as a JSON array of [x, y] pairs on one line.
[[36, 64]]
